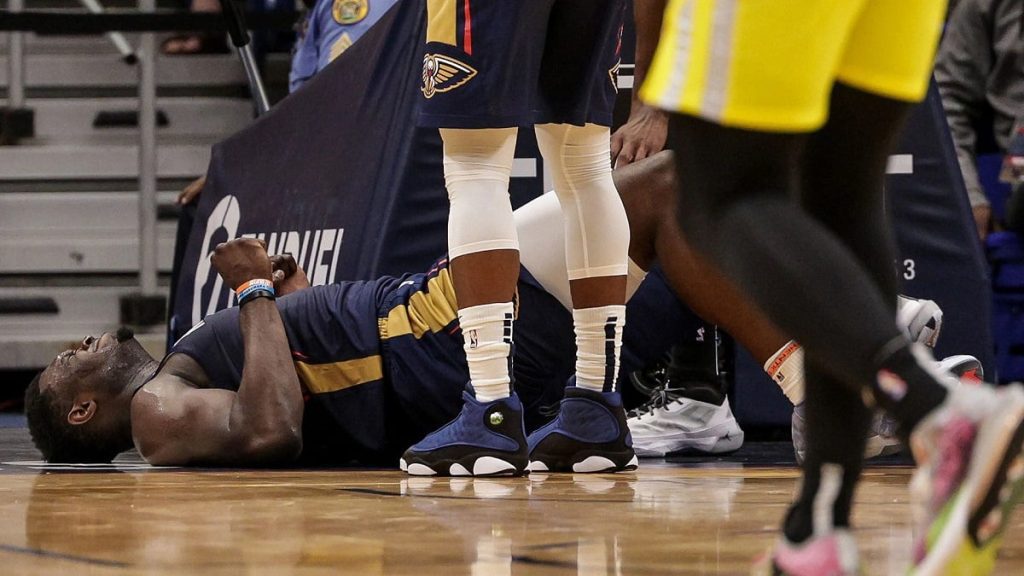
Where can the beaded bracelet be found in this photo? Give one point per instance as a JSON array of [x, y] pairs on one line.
[[253, 289]]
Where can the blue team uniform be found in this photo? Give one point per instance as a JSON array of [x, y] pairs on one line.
[[330, 28], [382, 362], [506, 63]]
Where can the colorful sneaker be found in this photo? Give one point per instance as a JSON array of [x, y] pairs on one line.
[[883, 439], [588, 435], [832, 554], [970, 475], [485, 439], [670, 422]]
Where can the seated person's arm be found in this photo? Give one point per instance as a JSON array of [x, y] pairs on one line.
[[962, 69], [177, 423]]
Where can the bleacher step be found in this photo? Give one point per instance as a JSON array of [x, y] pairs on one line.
[[76, 232], [103, 157], [107, 70], [31, 340], [219, 117]]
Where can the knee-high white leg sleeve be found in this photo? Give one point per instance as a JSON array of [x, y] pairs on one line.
[[477, 166], [542, 248], [596, 229]]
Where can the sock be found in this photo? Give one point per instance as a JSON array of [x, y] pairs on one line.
[[598, 345], [487, 331], [906, 390], [786, 367], [694, 369]]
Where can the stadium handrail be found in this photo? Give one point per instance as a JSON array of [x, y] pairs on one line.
[[76, 23]]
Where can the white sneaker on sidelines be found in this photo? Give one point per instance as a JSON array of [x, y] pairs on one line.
[[670, 422], [920, 320]]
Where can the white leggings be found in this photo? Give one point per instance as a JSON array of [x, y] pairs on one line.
[[477, 166], [596, 229]]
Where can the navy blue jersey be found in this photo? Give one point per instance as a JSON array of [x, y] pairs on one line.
[[505, 63], [382, 361], [337, 353]]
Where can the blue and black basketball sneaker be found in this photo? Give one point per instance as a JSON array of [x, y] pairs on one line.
[[589, 435], [485, 439]]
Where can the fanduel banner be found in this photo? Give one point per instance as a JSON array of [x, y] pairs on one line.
[[318, 175]]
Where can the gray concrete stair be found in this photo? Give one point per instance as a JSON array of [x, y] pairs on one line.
[[68, 199], [75, 233], [101, 156], [107, 70], [57, 118], [32, 340]]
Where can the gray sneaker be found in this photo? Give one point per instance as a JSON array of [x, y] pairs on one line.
[[798, 425], [883, 440]]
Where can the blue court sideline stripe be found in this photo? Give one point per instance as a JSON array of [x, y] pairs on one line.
[[58, 556]]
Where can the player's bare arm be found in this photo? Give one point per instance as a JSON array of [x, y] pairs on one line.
[[645, 132], [175, 423]]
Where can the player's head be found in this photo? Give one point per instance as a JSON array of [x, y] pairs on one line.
[[76, 407]]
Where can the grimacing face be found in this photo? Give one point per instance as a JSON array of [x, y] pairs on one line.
[[94, 362]]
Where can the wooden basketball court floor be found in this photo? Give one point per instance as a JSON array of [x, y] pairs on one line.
[[682, 516]]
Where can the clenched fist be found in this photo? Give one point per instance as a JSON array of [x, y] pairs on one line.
[[241, 260]]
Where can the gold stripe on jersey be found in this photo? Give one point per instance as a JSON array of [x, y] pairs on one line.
[[441, 21], [428, 311], [323, 378]]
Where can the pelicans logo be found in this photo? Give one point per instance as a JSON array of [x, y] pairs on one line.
[[443, 73], [350, 11]]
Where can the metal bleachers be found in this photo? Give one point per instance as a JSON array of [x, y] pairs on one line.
[[69, 196]]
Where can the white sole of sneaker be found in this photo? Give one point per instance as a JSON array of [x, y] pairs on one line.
[[590, 465], [491, 466], [484, 466], [416, 469], [594, 464], [989, 451], [724, 438]]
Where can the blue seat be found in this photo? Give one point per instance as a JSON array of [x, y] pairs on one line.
[[1006, 257]]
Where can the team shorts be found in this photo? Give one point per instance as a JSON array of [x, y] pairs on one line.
[[506, 63], [769, 65]]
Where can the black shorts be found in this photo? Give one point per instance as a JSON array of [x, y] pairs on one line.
[[505, 63]]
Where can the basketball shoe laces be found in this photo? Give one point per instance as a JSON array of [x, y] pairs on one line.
[[659, 398]]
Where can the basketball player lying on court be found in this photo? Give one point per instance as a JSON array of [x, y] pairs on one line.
[[357, 371]]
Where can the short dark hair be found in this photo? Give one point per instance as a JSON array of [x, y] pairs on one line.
[[54, 437]]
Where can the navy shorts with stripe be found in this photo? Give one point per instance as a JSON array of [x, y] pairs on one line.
[[506, 63]]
